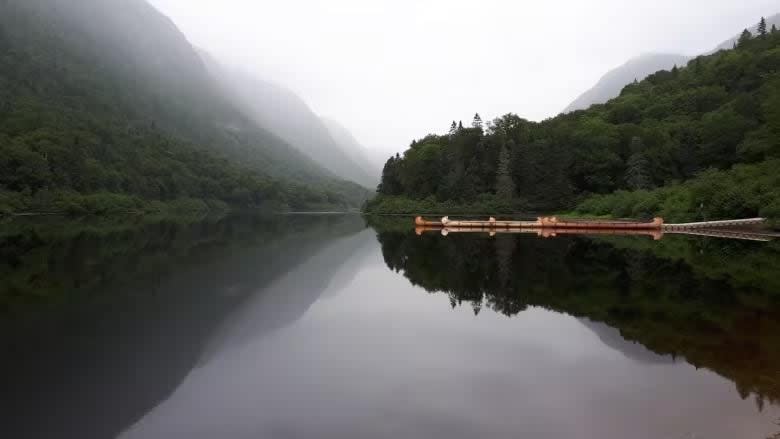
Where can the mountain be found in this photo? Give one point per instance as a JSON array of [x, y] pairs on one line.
[[348, 143], [697, 142], [104, 104], [728, 44], [286, 115], [610, 85]]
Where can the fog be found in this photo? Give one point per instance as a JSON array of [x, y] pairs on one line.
[[391, 71]]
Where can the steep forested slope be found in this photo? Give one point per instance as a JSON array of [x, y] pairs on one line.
[[364, 157], [106, 101], [610, 85], [719, 111], [289, 117]]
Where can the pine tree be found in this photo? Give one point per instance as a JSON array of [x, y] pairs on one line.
[[460, 125], [477, 122], [675, 70], [762, 27], [453, 129], [505, 186], [774, 29], [744, 38]]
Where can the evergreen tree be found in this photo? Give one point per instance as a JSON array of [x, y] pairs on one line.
[[774, 29], [460, 125], [744, 38], [477, 122], [505, 186], [453, 129], [762, 27]]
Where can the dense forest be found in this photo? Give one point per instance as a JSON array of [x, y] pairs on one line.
[[700, 298], [669, 142], [105, 106]]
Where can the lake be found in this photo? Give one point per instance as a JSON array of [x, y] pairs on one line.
[[334, 326]]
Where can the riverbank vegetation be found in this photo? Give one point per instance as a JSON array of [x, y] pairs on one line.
[[659, 148]]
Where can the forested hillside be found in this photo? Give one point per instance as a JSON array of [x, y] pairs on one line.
[[610, 85], [365, 158], [104, 105], [289, 117], [719, 111]]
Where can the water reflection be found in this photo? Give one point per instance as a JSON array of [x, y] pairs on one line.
[[714, 302], [319, 327], [103, 320]]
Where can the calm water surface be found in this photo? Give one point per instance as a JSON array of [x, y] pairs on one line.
[[326, 327]]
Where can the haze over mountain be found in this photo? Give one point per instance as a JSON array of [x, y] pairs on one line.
[[610, 85], [106, 103], [286, 115], [369, 159], [612, 82], [728, 44], [390, 70]]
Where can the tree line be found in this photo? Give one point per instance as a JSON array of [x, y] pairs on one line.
[[674, 126]]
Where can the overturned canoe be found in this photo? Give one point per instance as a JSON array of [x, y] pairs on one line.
[[543, 223]]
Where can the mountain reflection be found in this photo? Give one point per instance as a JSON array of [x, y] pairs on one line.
[[716, 303], [103, 319]]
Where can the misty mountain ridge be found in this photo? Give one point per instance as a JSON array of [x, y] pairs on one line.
[[289, 117], [728, 44], [367, 158], [610, 85], [108, 99]]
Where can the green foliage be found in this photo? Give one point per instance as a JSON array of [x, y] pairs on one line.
[[744, 191], [84, 111], [720, 111]]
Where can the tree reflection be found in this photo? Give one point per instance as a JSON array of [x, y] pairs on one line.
[[714, 302]]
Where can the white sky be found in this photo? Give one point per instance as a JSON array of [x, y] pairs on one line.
[[394, 70]]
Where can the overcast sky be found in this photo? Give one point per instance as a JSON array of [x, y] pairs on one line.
[[394, 70]]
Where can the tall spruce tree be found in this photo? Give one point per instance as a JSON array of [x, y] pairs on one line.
[[453, 129], [774, 28], [762, 27], [477, 122]]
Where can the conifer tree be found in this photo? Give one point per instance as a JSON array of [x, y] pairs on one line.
[[774, 29], [744, 38], [460, 125], [453, 129], [477, 122], [762, 27]]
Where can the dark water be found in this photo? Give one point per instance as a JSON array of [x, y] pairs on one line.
[[325, 327]]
